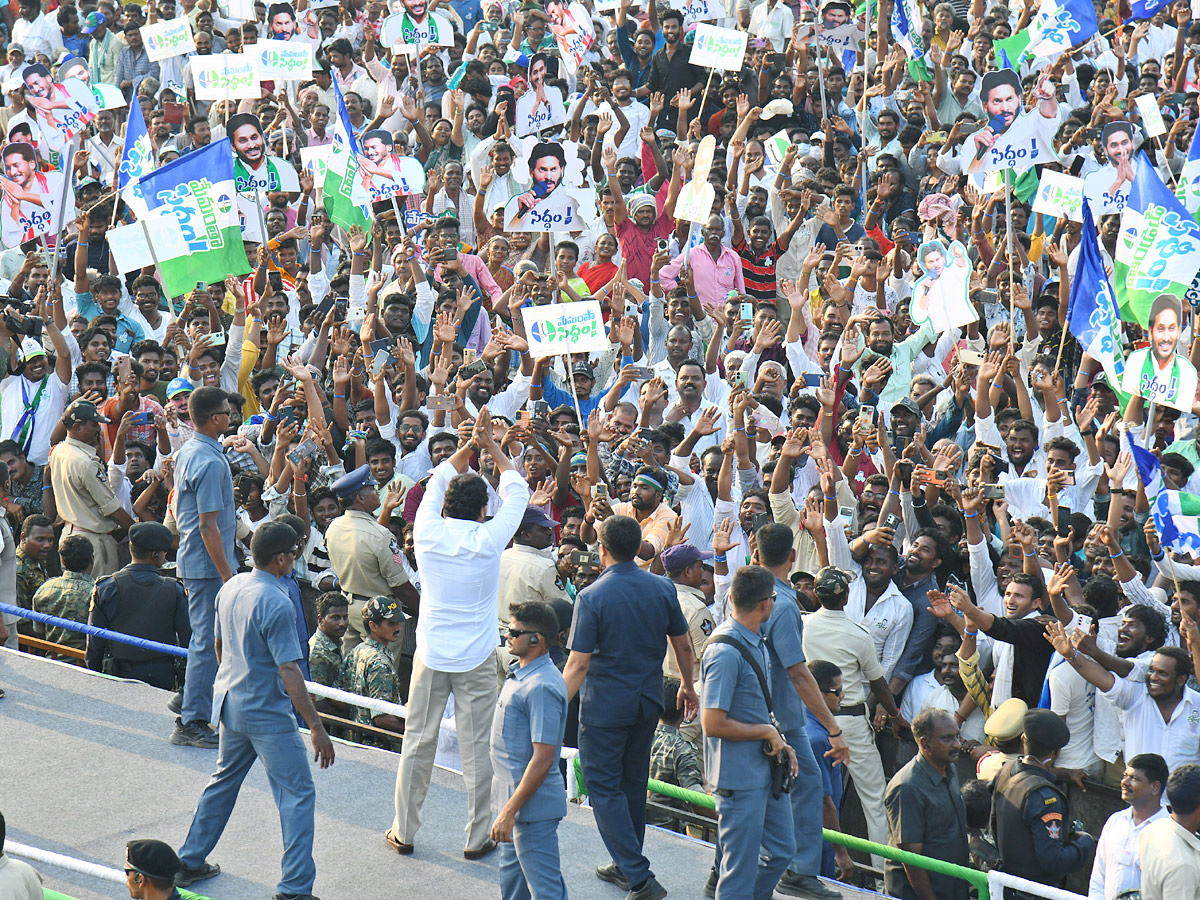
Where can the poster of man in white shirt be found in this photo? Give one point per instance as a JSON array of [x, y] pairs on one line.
[[62, 110], [1014, 138], [1107, 190], [547, 205], [542, 105], [381, 173], [1158, 373], [32, 199]]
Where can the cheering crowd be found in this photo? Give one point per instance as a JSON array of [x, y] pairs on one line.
[[784, 403]]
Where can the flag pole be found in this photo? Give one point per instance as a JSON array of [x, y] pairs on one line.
[[68, 173], [1062, 341], [703, 100], [157, 265], [1012, 293]]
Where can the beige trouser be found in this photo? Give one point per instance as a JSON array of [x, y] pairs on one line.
[[867, 771], [474, 703], [104, 560]]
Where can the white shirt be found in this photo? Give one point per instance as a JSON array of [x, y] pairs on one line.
[[42, 35], [459, 565], [1073, 698], [1177, 741], [890, 620], [941, 698], [1118, 863], [16, 391]]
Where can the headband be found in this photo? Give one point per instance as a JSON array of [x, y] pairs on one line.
[[649, 481]]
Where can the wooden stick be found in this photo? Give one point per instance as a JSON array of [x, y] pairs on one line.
[[704, 99], [1012, 293]]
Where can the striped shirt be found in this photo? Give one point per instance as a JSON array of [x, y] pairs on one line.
[[758, 269]]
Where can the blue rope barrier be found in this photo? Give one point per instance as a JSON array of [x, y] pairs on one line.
[[72, 625]]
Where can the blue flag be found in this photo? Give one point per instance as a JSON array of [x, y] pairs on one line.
[[137, 159], [1092, 315], [1060, 25], [1148, 468], [1145, 9]]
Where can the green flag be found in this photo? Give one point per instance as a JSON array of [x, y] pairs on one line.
[[1010, 50], [341, 170]]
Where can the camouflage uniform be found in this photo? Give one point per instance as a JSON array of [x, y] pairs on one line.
[[69, 596], [370, 672], [30, 576], [673, 761], [325, 663]]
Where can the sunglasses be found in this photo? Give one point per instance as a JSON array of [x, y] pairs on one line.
[[514, 633]]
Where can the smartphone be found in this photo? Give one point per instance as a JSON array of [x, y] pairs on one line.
[[436, 402], [643, 373], [304, 450], [970, 357], [812, 380], [379, 363], [1179, 98], [216, 339], [123, 366], [758, 520], [847, 514], [541, 409], [325, 307], [469, 356], [892, 521], [937, 137], [739, 378], [523, 418], [747, 312], [913, 237], [489, 26], [1064, 520], [287, 414], [1070, 478], [144, 418], [644, 433], [866, 417], [600, 491], [276, 281], [986, 296], [1014, 552], [384, 344], [469, 372], [585, 558], [993, 492]]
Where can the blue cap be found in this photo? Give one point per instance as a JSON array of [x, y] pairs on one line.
[[352, 482], [179, 386]]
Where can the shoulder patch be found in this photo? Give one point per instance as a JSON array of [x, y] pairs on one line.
[[1050, 801], [707, 626], [1052, 817], [1053, 830]]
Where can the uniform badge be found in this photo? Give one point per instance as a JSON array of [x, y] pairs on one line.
[[707, 627], [1053, 830]]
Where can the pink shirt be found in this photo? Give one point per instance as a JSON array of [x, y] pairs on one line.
[[714, 278], [478, 270]]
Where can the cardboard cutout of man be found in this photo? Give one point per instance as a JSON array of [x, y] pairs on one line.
[[541, 106], [1159, 373], [1107, 190], [285, 26], [547, 205], [61, 109], [381, 173], [31, 199], [572, 28], [420, 26], [1013, 138], [253, 170], [942, 295]]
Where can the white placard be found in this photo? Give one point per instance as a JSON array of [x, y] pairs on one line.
[[565, 328], [283, 60], [242, 10], [108, 96], [1059, 195], [225, 76], [695, 203], [128, 242], [1151, 115], [316, 159], [718, 48], [699, 10], [166, 39]]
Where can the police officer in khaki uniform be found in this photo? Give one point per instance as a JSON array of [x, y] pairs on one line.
[[527, 572], [684, 565], [85, 499], [364, 556]]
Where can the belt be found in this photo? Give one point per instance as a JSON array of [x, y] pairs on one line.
[[858, 709], [352, 596]]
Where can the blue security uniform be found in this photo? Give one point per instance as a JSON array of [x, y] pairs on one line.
[[783, 633], [749, 819], [623, 620], [256, 625], [532, 709], [203, 484]]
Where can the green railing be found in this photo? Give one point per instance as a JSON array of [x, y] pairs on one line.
[[972, 876]]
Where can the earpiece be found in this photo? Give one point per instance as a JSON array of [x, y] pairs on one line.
[[534, 638]]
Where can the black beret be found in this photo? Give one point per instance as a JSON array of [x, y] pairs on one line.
[[150, 536], [153, 858], [1044, 728]]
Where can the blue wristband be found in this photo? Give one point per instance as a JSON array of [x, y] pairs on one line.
[[271, 418], [719, 559], [970, 515]]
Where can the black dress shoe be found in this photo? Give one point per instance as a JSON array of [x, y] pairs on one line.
[[396, 844], [483, 851]]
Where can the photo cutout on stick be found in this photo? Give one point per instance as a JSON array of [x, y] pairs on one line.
[[253, 170], [381, 173], [31, 199], [1159, 373], [541, 106], [1107, 190], [547, 205], [942, 294], [61, 109]]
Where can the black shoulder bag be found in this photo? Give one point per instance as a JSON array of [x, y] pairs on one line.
[[782, 778]]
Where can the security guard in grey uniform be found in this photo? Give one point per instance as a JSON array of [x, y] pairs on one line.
[[739, 742], [138, 601], [364, 556], [1031, 820]]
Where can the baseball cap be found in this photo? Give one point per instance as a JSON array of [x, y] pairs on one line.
[[679, 557], [93, 21], [179, 386], [380, 608], [84, 411], [832, 581]]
